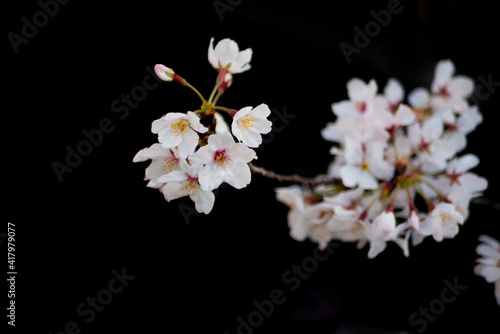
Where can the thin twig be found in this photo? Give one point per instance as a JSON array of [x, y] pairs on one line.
[[295, 178]]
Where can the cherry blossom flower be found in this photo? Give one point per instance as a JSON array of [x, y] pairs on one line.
[[227, 54], [179, 130], [163, 161], [459, 126], [442, 222], [361, 99], [382, 229], [489, 264], [393, 96], [249, 123], [450, 90], [302, 211], [185, 182], [364, 164], [402, 116], [426, 139], [223, 160]]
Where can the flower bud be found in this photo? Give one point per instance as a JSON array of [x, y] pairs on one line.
[[164, 73]]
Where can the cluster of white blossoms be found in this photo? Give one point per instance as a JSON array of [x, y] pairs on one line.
[[196, 151], [396, 175]]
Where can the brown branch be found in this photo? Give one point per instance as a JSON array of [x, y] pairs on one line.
[[295, 178]]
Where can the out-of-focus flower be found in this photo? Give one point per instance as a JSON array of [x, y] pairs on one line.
[[489, 263]]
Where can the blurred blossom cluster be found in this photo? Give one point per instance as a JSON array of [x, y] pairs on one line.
[[397, 174]]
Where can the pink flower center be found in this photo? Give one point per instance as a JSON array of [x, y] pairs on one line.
[[221, 159], [361, 107]]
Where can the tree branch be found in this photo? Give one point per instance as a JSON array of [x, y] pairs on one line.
[[295, 178]]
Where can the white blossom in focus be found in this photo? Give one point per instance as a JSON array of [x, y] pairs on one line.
[[163, 161], [185, 182], [227, 54], [249, 123], [179, 130], [223, 160]]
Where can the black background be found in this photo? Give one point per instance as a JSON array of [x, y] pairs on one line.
[[199, 277]]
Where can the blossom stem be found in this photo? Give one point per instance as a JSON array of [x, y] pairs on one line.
[[216, 88], [187, 84], [291, 178], [222, 108], [219, 93]]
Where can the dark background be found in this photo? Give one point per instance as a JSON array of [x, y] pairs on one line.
[[199, 277]]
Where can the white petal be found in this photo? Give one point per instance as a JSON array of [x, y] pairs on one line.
[[241, 154], [490, 241], [443, 73], [262, 111], [195, 124], [344, 108], [250, 138], [188, 143], [241, 176], [226, 51], [209, 179], [488, 251], [353, 153], [211, 55], [394, 91], [220, 141], [173, 190], [202, 156], [220, 125], [204, 201], [461, 86], [367, 181], [419, 97], [174, 176], [466, 162], [241, 62], [349, 175], [241, 113], [404, 115], [168, 138], [356, 89], [491, 274]]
